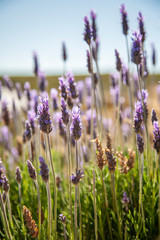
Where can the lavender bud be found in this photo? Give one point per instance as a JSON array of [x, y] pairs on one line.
[[89, 62], [5, 184], [63, 87], [138, 118], [125, 75], [125, 199], [36, 67], [118, 61], [140, 144], [65, 114], [1, 173], [44, 117], [141, 26], [8, 83], [153, 116], [54, 94], [87, 31], [76, 126], [42, 81], [64, 52], [27, 88], [94, 27], [75, 179], [111, 160], [156, 140], [124, 19], [28, 130], [18, 175], [70, 102], [19, 90], [62, 218], [136, 52], [31, 170], [62, 131], [44, 169], [153, 54], [5, 113], [31, 118], [71, 85]]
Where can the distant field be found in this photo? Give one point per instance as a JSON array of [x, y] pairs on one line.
[[53, 80]]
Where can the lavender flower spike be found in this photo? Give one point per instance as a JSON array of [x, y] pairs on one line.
[[153, 54], [124, 19], [65, 114], [31, 170], [36, 67], [63, 87], [64, 52], [18, 175], [118, 61], [89, 62], [138, 118], [136, 52], [141, 26], [156, 139], [140, 144], [28, 130], [94, 27], [76, 126], [153, 116], [54, 94], [44, 169], [31, 118], [75, 179], [44, 117], [87, 31], [72, 85]]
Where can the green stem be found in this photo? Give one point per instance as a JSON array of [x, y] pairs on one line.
[[49, 210], [39, 209], [106, 203], [116, 205], [55, 188], [75, 212], [94, 205], [5, 218], [80, 214], [65, 235], [10, 211]]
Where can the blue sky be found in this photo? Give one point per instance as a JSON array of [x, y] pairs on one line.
[[42, 25]]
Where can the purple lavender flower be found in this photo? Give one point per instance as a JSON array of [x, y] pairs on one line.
[[34, 100], [153, 54], [125, 199], [95, 48], [31, 118], [5, 113], [19, 90], [63, 87], [118, 61], [70, 102], [54, 94], [145, 98], [6, 137], [18, 175], [64, 52], [89, 62], [8, 83], [44, 169], [42, 81], [31, 170], [27, 88], [62, 218], [135, 80], [87, 31], [125, 75], [88, 123], [124, 19], [138, 118], [5, 184], [136, 52], [28, 130], [76, 126], [75, 179], [140, 143], [114, 79], [141, 26], [65, 114], [36, 67], [62, 130], [156, 140], [153, 116], [94, 27], [144, 72], [71, 85], [80, 88], [44, 117]]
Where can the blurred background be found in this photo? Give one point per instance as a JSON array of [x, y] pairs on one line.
[[42, 25]]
